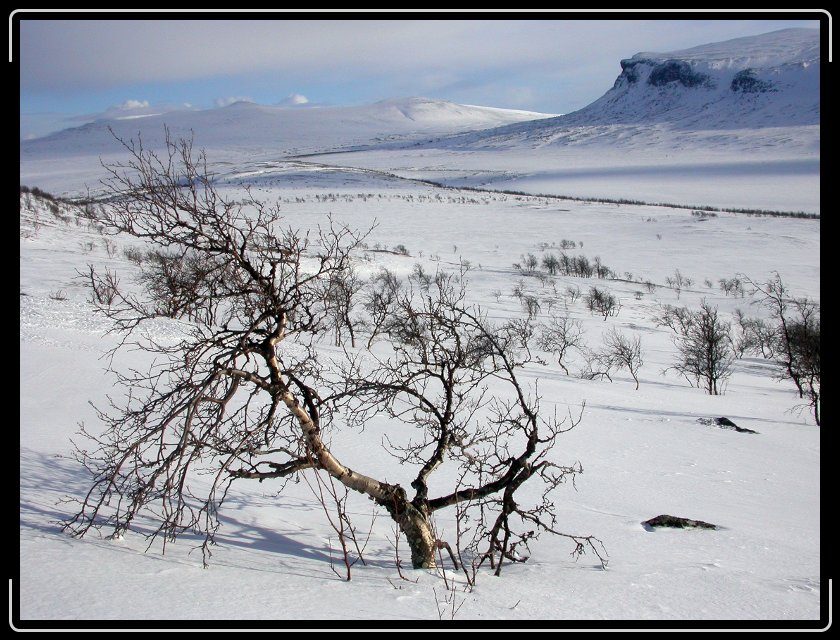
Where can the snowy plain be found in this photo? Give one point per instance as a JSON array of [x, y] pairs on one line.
[[643, 451]]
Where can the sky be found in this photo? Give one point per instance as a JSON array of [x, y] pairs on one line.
[[75, 71]]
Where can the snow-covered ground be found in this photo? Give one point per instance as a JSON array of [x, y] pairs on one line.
[[725, 178], [643, 451]]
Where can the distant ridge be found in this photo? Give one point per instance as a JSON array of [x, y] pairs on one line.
[[282, 129]]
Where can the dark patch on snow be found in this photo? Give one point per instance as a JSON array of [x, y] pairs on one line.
[[724, 423], [746, 82], [676, 71], [675, 522]]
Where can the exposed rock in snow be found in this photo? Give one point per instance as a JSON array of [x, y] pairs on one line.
[[676, 522]]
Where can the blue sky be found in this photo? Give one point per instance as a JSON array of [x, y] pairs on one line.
[[73, 71]]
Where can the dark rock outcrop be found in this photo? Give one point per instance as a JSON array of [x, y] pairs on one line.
[[677, 71], [746, 82], [676, 522], [724, 423]]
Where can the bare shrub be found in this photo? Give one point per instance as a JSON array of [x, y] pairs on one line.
[[104, 287]]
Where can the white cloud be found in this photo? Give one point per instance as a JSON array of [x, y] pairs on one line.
[[228, 100], [128, 105], [294, 100]]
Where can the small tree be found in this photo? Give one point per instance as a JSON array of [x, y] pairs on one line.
[[602, 302], [380, 297], [757, 336], [600, 269], [624, 351], [104, 288], [705, 351], [559, 336], [678, 282], [732, 286], [341, 296], [582, 267], [529, 263], [617, 352], [797, 338], [531, 304], [572, 293], [678, 319], [551, 264], [246, 394]]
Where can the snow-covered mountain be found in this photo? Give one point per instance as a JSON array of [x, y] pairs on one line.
[[283, 129], [769, 80], [731, 88], [242, 132]]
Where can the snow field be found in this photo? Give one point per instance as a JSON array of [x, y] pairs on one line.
[[643, 452]]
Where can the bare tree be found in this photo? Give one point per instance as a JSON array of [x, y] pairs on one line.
[[597, 365], [519, 332], [624, 351], [379, 300], [560, 335], [618, 351], [705, 349], [104, 288], [436, 379], [572, 293], [678, 319], [551, 264], [247, 394], [342, 292], [732, 286], [677, 282], [529, 263], [797, 338], [531, 304], [756, 336], [600, 269], [602, 302]]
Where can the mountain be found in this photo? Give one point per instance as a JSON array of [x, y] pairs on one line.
[[770, 80], [282, 129], [731, 89]]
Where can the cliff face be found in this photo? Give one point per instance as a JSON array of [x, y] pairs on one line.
[[660, 74]]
